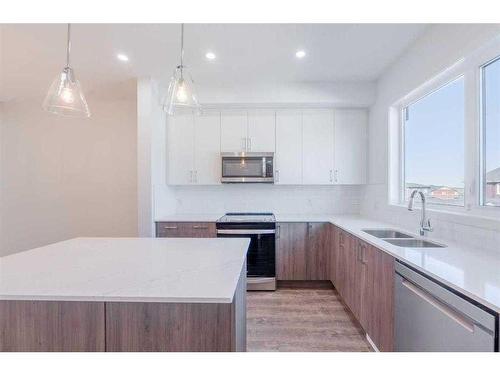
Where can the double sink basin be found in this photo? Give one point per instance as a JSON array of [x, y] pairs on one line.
[[401, 239]]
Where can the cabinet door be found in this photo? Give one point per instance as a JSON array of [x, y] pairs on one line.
[[377, 306], [234, 131], [334, 254], [358, 281], [317, 267], [185, 229], [349, 262], [351, 274], [340, 261], [207, 162], [180, 140], [291, 251], [350, 146], [288, 156], [261, 131], [317, 147]]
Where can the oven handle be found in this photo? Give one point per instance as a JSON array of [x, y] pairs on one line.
[[246, 231]]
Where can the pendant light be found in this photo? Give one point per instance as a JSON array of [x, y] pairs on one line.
[[65, 96], [181, 93]]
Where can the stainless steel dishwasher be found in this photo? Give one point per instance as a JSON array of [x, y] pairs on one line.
[[429, 317]]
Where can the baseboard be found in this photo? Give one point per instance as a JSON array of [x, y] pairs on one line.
[[305, 284], [372, 343]]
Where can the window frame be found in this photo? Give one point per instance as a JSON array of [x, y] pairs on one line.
[[482, 140], [470, 67]]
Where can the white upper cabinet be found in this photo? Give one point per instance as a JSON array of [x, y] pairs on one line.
[[350, 146], [317, 147], [288, 154], [312, 147], [193, 149], [261, 131], [180, 149], [207, 162], [234, 131]]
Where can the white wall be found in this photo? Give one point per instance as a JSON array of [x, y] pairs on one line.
[[439, 48], [278, 199], [153, 194], [63, 178], [355, 94]]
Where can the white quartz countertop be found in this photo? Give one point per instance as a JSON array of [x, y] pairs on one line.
[[301, 218], [203, 270], [473, 272]]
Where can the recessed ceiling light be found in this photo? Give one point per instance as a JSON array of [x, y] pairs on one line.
[[210, 55], [300, 54], [122, 57]]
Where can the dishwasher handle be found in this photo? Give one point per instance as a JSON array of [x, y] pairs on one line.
[[429, 298]]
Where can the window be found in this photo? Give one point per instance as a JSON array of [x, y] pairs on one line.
[[490, 152], [433, 145]]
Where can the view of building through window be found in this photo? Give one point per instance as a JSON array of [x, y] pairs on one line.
[[491, 134], [434, 145]]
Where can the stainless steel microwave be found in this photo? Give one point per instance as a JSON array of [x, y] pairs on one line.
[[249, 167]]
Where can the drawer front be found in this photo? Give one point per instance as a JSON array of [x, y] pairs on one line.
[[185, 229]]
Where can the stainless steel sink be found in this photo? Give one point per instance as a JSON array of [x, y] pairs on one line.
[[412, 242], [386, 233]]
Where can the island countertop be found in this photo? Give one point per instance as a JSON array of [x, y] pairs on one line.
[[177, 270]]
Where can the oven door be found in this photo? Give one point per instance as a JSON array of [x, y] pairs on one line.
[[247, 167], [261, 255]]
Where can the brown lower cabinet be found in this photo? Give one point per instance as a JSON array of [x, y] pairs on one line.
[[363, 276], [60, 326], [302, 251], [185, 229]]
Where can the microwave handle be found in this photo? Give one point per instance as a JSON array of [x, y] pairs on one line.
[[264, 172]]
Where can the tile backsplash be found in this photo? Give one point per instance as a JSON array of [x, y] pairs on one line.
[[275, 198]]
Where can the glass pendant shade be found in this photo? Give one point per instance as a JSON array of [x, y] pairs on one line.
[[65, 96], [181, 92]]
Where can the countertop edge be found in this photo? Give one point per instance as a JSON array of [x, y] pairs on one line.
[[91, 299]]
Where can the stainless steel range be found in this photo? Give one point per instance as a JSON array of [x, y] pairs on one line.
[[260, 228]]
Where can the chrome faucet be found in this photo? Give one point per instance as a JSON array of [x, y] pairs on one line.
[[425, 224]]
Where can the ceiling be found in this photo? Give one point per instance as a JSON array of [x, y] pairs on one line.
[[33, 54]]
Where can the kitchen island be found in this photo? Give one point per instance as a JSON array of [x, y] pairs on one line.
[[125, 294]]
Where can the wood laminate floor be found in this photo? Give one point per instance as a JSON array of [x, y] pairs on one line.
[[301, 319]]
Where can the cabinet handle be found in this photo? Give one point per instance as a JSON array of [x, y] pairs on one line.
[[170, 227], [196, 177], [277, 175], [361, 253], [429, 298], [249, 144], [336, 178], [200, 227], [331, 175]]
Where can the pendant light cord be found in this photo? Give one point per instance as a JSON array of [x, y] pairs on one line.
[[182, 48], [68, 45]]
